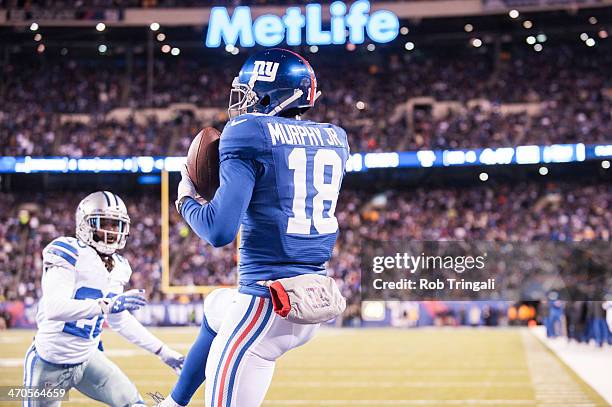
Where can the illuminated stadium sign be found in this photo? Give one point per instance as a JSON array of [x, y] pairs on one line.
[[357, 162], [269, 30]]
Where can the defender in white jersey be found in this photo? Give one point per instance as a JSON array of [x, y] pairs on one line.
[[83, 285]]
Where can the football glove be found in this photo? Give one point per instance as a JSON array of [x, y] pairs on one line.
[[185, 188], [172, 358], [128, 301]]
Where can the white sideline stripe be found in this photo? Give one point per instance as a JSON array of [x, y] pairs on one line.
[[416, 402], [591, 364], [551, 383]]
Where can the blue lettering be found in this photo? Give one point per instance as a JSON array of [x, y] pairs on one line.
[[337, 11], [383, 26], [314, 33], [357, 20], [294, 21], [269, 30], [220, 26]]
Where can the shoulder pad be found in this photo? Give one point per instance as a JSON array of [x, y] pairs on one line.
[[242, 137], [63, 251]]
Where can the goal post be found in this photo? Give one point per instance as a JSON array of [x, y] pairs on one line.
[[166, 286]]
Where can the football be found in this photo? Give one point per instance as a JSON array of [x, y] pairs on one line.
[[203, 162]]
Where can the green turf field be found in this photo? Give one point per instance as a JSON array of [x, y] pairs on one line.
[[369, 367]]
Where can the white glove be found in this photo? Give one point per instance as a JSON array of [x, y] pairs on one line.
[[172, 358], [128, 301], [185, 187]]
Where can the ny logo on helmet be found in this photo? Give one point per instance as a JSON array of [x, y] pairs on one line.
[[266, 71]]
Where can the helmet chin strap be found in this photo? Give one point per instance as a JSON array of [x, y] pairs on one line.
[[297, 93]]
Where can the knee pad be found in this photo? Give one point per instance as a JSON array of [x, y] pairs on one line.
[[216, 305]]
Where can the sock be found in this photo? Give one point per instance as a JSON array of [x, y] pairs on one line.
[[193, 373]]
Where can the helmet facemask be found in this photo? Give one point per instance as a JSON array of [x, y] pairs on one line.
[[242, 97], [106, 232]]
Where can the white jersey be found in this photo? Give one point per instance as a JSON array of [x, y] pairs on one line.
[[69, 318]]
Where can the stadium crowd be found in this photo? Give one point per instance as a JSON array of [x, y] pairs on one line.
[[565, 90], [522, 213]]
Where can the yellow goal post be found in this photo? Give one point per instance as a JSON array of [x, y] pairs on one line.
[[166, 287]]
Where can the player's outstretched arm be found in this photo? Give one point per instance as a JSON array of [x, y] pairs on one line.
[[218, 221], [131, 329], [57, 302]]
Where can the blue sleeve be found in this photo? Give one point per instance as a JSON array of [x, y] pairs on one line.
[[242, 137], [218, 221]]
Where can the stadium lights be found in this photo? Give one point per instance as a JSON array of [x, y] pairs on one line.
[[154, 26], [100, 27], [351, 47], [371, 47], [590, 42], [584, 36], [592, 20], [360, 105], [37, 37], [483, 176], [543, 171], [513, 14], [102, 48], [34, 26], [538, 47], [165, 48], [476, 42], [235, 51], [602, 34], [409, 46], [605, 164], [175, 51], [314, 49], [468, 28], [161, 37], [41, 48], [404, 30], [527, 24], [542, 38], [531, 40], [229, 48]]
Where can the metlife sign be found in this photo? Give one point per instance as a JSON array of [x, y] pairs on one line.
[[298, 28]]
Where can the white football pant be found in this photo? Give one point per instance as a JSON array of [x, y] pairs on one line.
[[250, 337]]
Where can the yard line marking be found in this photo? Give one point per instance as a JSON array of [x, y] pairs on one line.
[[416, 402], [11, 362], [407, 383]]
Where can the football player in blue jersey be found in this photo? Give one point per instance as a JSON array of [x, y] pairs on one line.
[[280, 180]]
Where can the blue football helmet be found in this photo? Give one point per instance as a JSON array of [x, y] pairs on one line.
[[274, 82]]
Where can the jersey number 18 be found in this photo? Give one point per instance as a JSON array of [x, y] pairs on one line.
[[299, 223]]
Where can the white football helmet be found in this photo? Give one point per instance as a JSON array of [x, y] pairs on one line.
[[102, 222]]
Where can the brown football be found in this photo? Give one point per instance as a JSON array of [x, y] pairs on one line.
[[203, 162]]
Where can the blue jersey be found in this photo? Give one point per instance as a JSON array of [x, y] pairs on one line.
[[289, 227], [280, 180]]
